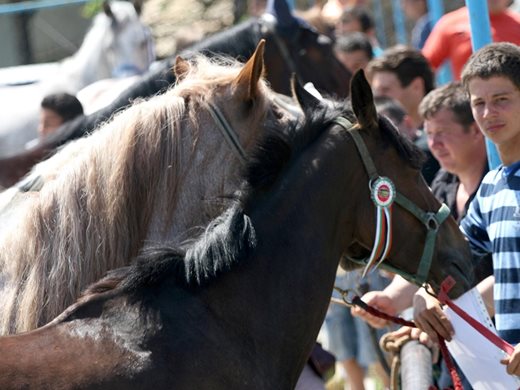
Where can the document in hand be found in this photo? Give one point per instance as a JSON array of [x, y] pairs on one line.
[[478, 358]]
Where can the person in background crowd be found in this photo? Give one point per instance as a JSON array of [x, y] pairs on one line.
[[353, 50], [457, 143], [358, 19], [57, 109], [394, 110], [332, 9], [417, 12], [350, 339], [404, 74], [450, 39]]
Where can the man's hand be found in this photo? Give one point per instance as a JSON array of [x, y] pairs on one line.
[[379, 300], [429, 317], [415, 334], [513, 362]]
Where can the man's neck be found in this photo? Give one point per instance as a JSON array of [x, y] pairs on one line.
[[470, 177]]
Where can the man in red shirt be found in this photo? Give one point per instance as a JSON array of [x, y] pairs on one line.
[[450, 38]]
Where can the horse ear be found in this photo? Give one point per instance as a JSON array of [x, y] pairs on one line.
[[108, 10], [246, 83], [181, 68], [363, 100], [138, 6], [280, 9], [308, 102]]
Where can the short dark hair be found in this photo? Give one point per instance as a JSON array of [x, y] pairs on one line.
[[407, 63], [451, 96], [65, 105], [390, 107], [353, 42], [360, 14], [495, 59]]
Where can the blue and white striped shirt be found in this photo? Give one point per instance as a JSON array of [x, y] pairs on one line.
[[492, 225]]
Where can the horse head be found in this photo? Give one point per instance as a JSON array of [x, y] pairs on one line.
[[301, 50], [399, 224], [128, 43]]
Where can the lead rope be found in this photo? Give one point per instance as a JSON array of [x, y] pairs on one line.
[[357, 301]]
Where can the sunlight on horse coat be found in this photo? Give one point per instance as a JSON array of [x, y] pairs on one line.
[[240, 307], [158, 172]]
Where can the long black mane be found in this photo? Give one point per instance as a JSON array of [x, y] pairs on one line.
[[229, 238]]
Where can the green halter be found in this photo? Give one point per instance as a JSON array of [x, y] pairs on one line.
[[431, 220]]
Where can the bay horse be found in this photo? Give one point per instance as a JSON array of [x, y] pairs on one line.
[[158, 172], [240, 306], [118, 44], [292, 46]]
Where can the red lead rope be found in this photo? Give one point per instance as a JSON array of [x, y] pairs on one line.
[[446, 285]]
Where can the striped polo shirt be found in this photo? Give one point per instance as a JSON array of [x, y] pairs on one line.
[[492, 224]]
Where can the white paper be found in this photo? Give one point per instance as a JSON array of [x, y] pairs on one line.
[[478, 358]]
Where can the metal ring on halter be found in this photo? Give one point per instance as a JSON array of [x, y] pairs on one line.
[[345, 295], [432, 223], [372, 181]]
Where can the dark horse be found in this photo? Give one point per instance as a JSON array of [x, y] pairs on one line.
[[240, 307], [291, 47]]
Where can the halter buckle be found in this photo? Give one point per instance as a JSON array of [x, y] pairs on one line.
[[431, 222]]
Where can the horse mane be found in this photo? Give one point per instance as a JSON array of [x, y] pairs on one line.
[[225, 242], [132, 159], [228, 238]]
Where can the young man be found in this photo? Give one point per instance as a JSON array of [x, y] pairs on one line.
[[492, 224]]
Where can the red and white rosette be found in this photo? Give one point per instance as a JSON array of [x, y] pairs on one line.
[[383, 195]]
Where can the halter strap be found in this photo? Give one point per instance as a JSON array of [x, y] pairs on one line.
[[227, 131], [431, 220]]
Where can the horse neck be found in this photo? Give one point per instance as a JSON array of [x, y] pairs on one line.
[[288, 279], [88, 64]]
